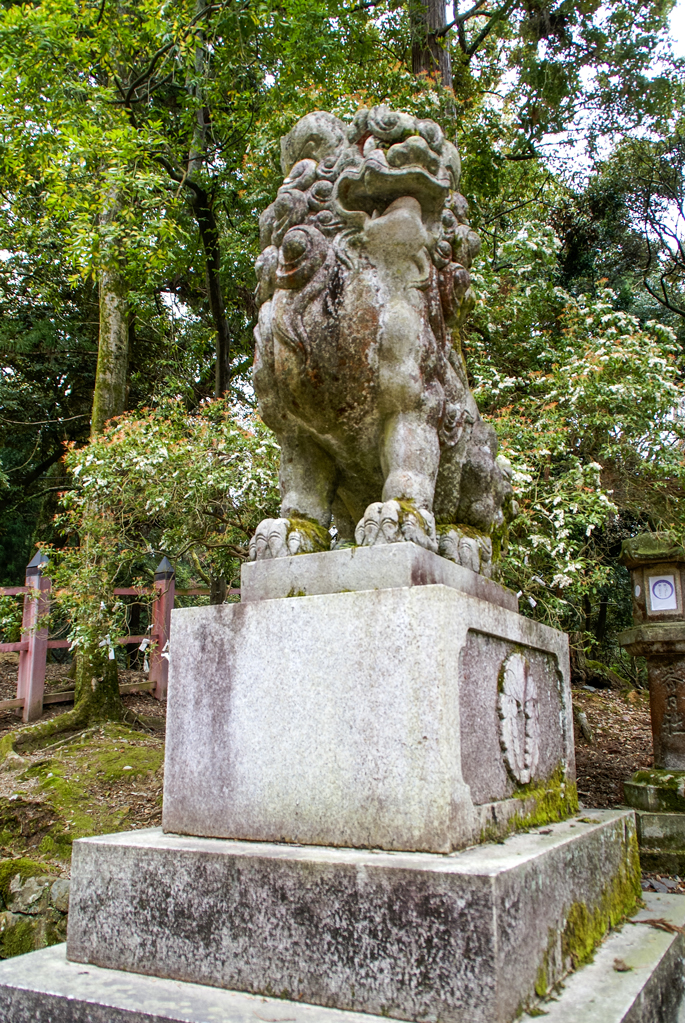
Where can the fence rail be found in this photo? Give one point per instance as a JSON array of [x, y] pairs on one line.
[[34, 643]]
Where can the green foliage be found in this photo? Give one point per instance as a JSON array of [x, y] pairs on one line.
[[11, 609], [586, 400], [159, 482], [173, 113]]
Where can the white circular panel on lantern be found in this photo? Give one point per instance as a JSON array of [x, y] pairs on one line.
[[662, 593]]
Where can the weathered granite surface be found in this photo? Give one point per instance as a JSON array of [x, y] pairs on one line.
[[44, 987], [656, 790], [361, 719], [363, 273], [382, 567], [460, 938]]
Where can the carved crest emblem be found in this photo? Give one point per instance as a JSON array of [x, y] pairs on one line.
[[519, 719]]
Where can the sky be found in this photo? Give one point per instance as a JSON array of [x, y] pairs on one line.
[[678, 28]]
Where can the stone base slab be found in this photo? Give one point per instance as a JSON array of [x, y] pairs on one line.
[[372, 719], [650, 990], [460, 938], [385, 567], [661, 838], [44, 987]]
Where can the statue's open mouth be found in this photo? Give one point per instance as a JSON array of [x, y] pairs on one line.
[[406, 168]]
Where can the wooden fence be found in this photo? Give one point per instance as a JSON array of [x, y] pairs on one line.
[[34, 643]]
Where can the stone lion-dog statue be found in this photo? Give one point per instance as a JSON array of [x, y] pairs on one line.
[[363, 274]]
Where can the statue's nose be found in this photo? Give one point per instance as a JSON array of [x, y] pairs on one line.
[[413, 151]]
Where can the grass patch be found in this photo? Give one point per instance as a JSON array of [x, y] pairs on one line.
[[80, 788]]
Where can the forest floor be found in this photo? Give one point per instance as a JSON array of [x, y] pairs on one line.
[[98, 781], [110, 778]]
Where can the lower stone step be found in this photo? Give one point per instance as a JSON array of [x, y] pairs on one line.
[[44, 987], [469, 937], [636, 976]]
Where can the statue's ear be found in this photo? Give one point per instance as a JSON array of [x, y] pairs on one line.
[[314, 137]]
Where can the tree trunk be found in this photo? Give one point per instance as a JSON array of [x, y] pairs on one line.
[[97, 679], [203, 210], [209, 235], [96, 699], [429, 51], [601, 629], [217, 591], [109, 396]]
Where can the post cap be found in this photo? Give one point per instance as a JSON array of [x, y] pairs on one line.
[[37, 563], [164, 570], [651, 547]]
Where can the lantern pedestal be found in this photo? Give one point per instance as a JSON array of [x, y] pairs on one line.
[[657, 566]]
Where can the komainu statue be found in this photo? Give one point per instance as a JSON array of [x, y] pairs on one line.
[[363, 274]]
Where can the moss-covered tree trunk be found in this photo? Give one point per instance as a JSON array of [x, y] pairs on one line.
[[97, 681], [97, 686], [96, 699], [109, 395]]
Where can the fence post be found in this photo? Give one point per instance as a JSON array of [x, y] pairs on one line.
[[165, 586], [31, 675]]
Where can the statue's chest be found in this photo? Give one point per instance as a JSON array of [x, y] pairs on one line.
[[327, 343]]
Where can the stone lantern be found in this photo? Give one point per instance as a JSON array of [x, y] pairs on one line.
[[657, 567]]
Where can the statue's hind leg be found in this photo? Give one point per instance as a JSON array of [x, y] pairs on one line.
[[308, 480]]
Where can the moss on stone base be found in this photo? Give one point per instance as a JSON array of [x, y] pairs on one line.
[[541, 985], [475, 534], [315, 536], [544, 802], [586, 926], [555, 800]]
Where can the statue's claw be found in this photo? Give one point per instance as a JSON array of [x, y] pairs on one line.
[[392, 522]]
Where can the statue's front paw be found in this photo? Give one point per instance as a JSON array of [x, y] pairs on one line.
[[394, 522], [281, 538], [270, 540], [474, 552]]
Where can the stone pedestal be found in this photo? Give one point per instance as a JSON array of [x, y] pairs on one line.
[[337, 764], [417, 718], [388, 567], [663, 645], [659, 801], [46, 987]]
